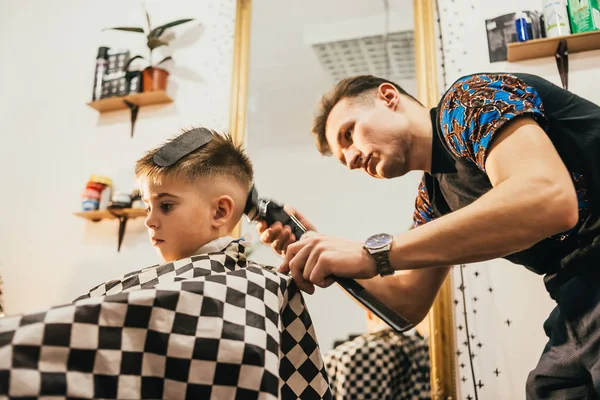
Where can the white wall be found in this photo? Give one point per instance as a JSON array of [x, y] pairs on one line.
[[518, 295], [51, 142]]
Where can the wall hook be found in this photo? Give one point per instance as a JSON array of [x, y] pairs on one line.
[[562, 62], [134, 108]]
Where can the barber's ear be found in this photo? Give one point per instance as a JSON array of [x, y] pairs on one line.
[[223, 211], [389, 94]]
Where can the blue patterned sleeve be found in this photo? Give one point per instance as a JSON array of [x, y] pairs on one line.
[[423, 210], [477, 106]]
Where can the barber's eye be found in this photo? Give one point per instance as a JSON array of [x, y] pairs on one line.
[[166, 207], [348, 135]]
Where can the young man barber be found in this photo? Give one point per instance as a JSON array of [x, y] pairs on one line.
[[511, 169]]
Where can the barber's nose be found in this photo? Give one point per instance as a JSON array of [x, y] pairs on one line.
[[353, 158]]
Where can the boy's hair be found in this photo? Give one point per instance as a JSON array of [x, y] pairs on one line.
[[353, 87], [220, 157]]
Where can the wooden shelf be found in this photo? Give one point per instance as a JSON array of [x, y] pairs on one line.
[[98, 215], [140, 99], [537, 48]]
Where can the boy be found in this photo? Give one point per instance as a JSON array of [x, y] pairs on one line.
[[208, 323], [196, 200]]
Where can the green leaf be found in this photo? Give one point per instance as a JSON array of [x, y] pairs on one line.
[[148, 20], [154, 43], [126, 29], [131, 60], [158, 31], [168, 58]]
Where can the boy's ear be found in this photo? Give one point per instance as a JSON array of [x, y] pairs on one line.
[[223, 211]]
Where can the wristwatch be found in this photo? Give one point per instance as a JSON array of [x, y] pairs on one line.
[[379, 246]]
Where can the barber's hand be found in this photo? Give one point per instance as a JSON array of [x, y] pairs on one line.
[[314, 260], [279, 236]]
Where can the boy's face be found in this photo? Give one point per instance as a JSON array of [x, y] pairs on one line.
[[179, 218]]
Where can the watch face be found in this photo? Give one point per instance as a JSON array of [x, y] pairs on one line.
[[379, 240]]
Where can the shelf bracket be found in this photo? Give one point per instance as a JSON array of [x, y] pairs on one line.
[[562, 63], [122, 224], [134, 108]]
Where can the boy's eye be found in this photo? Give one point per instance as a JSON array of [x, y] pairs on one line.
[[166, 207], [147, 210]]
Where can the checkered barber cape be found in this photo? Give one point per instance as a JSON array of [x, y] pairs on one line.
[[213, 326], [385, 365]]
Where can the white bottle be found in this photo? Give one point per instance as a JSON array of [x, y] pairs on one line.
[[556, 18]]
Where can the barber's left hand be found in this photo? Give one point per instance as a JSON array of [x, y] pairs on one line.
[[314, 260]]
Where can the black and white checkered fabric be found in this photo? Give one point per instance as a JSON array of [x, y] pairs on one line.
[[383, 365], [211, 326]]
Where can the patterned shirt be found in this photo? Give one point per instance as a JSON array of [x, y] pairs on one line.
[[472, 111]]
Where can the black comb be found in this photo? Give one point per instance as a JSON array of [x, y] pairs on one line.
[[269, 211]]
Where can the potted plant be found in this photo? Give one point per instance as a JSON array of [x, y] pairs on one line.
[[154, 78]]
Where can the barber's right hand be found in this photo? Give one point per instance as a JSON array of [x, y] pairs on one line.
[[279, 237]]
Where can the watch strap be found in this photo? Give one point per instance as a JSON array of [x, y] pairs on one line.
[[382, 262]]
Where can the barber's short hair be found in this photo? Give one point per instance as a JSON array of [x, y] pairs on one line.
[[353, 87], [220, 157]]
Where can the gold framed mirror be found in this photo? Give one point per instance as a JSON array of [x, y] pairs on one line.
[[441, 335]]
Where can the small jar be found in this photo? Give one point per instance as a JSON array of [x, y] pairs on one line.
[[136, 197], [104, 185], [138, 204], [91, 193], [101, 179], [88, 204], [120, 200]]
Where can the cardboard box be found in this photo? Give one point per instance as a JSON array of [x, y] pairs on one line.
[[500, 32], [584, 15]]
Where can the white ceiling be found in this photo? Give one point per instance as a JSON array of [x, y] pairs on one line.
[[286, 77]]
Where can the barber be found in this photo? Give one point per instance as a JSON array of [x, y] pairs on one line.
[[511, 169]]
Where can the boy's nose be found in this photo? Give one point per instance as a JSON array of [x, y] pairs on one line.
[[151, 222]]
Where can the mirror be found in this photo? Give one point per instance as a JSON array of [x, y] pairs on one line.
[[287, 56]]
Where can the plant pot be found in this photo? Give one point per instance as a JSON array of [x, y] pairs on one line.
[[154, 79]]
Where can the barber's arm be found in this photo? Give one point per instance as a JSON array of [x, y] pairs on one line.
[[495, 122], [410, 293], [532, 198]]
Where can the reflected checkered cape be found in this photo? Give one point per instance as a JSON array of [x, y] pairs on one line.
[[385, 365], [212, 326]]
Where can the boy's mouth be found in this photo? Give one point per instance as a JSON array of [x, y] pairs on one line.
[[156, 242]]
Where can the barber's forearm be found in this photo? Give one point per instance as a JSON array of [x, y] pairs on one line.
[[409, 293], [509, 218]]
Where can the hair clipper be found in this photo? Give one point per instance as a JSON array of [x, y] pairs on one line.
[[260, 209]]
